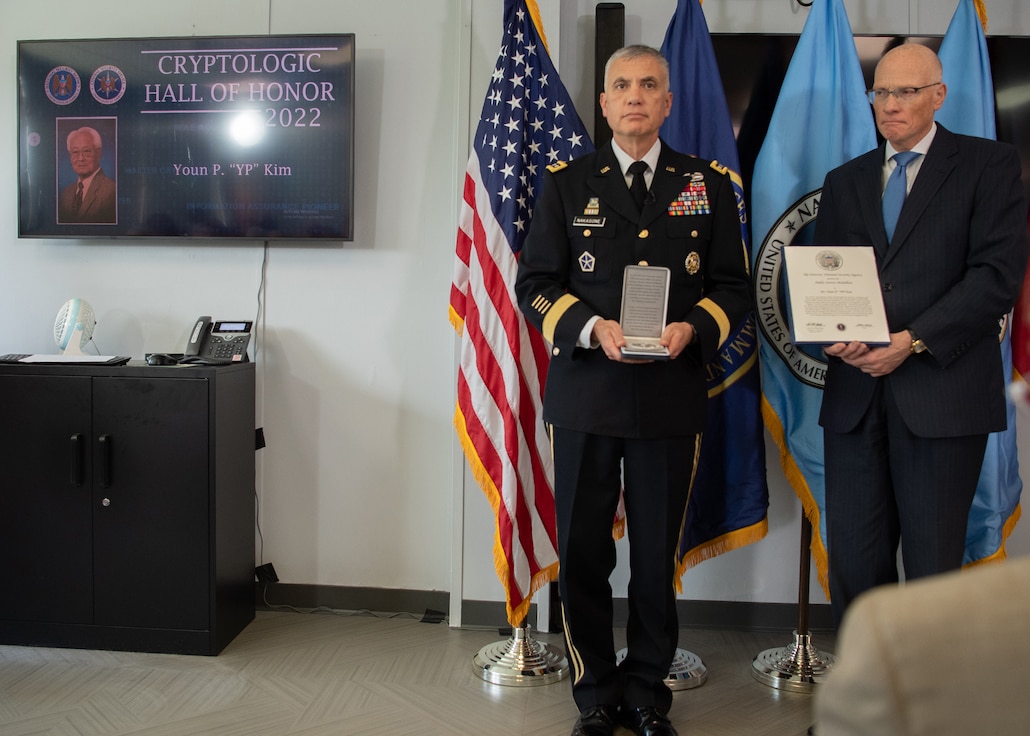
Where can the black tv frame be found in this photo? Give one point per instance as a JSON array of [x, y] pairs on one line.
[[172, 114]]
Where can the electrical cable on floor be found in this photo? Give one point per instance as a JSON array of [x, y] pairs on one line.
[[428, 616]]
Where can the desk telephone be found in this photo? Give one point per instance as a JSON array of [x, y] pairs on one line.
[[217, 342]]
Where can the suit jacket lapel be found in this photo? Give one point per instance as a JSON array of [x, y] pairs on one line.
[[869, 190], [935, 168]]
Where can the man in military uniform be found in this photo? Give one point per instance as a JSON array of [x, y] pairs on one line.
[[618, 422]]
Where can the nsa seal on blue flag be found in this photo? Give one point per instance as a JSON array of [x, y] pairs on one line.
[[821, 119]]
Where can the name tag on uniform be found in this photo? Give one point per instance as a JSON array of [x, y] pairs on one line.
[[584, 221]]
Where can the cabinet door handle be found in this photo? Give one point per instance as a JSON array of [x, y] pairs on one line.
[[105, 460], [76, 453]]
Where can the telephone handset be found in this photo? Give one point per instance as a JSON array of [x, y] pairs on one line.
[[217, 342]]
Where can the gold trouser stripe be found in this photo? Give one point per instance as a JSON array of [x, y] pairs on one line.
[[719, 316], [555, 314], [575, 658]]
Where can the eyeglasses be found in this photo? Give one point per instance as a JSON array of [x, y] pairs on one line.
[[902, 94]]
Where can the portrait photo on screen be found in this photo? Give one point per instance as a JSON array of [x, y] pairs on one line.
[[87, 157]]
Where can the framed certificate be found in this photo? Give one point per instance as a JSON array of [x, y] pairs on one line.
[[645, 299], [835, 294]]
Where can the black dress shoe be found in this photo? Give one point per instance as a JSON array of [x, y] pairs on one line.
[[647, 721], [597, 720]]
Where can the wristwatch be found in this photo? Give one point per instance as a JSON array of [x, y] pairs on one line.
[[917, 346]]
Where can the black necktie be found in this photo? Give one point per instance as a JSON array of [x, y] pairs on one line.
[[637, 187], [77, 202]]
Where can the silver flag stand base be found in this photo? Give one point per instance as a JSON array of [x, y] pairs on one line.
[[798, 667], [520, 661], [687, 670]]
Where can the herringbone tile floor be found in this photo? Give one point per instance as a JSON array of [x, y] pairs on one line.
[[318, 674]]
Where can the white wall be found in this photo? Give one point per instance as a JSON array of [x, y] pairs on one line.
[[355, 358], [362, 483]]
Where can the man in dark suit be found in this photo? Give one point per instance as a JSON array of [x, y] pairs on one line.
[[92, 197], [616, 421], [906, 425]]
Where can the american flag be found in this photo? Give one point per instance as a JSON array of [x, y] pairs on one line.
[[528, 122]]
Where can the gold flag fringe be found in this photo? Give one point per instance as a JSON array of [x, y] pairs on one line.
[[546, 575], [534, 14], [1000, 553], [804, 493], [981, 11]]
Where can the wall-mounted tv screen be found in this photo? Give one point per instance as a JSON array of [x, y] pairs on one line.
[[233, 137]]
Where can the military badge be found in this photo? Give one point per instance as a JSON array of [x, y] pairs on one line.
[[693, 200], [586, 262], [693, 263], [593, 207]]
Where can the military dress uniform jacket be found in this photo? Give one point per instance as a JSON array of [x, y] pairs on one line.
[[585, 231], [952, 271]]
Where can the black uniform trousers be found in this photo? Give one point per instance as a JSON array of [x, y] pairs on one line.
[[884, 483], [590, 471]]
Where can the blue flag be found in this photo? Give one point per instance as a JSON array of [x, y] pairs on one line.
[[969, 106], [821, 120], [969, 109], [730, 499]]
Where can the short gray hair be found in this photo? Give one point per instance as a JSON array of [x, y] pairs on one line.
[[636, 51]]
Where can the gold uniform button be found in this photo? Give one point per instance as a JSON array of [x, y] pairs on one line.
[[643, 233], [555, 351], [586, 233], [642, 263], [693, 233]]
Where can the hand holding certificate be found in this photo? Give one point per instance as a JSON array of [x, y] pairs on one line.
[[835, 295]]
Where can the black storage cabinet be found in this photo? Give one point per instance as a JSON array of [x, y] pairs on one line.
[[126, 506]]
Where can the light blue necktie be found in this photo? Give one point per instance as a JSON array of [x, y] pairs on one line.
[[894, 194]]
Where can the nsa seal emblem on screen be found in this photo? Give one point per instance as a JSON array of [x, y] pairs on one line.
[[107, 84], [62, 85]]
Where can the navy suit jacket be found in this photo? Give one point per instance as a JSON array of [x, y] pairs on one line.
[[952, 271], [585, 231]]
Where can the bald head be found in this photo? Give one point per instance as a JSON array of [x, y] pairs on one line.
[[915, 58]]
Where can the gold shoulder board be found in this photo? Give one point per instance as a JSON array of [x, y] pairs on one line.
[[719, 167], [557, 166]]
